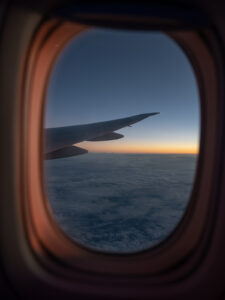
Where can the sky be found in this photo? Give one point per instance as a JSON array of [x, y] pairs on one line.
[[107, 74]]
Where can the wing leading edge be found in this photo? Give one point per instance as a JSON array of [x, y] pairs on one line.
[[60, 140]]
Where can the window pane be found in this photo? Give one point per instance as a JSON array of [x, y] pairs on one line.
[[131, 189]]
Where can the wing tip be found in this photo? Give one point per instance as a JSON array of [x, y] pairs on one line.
[[152, 114], [146, 115]]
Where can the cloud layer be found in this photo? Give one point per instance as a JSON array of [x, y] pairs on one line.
[[119, 203]]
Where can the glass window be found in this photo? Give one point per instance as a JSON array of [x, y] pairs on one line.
[[118, 176]]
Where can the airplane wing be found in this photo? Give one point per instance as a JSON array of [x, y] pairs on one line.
[[60, 141]]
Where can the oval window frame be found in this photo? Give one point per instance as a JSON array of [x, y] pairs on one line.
[[43, 232]]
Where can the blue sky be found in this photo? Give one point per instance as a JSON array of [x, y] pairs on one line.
[[108, 74]]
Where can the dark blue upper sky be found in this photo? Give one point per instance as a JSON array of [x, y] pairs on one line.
[[108, 74]]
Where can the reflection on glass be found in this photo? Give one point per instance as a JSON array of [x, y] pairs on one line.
[[118, 174]]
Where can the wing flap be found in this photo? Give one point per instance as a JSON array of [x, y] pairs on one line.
[[107, 137], [65, 152]]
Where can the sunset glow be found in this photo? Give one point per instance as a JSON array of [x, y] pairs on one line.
[[113, 147]]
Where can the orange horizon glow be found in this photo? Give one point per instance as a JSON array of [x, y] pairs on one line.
[[140, 149]]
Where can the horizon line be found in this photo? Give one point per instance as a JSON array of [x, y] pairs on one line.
[[107, 152]]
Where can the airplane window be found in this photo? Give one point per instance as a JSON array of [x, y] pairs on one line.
[[122, 138]]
